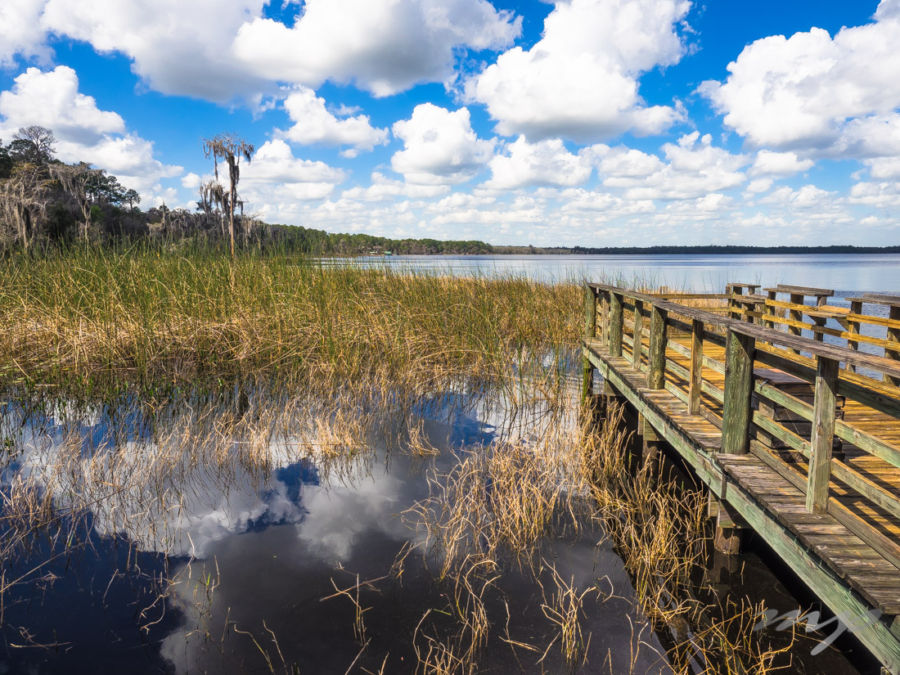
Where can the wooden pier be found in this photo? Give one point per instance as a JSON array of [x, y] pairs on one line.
[[788, 409]]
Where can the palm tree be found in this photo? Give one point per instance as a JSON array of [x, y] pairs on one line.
[[229, 148]]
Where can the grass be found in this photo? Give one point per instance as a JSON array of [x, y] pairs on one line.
[[98, 321]]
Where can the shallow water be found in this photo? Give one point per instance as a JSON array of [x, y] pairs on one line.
[[232, 578], [846, 274], [241, 573]]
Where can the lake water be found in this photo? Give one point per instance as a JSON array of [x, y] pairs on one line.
[[709, 273]]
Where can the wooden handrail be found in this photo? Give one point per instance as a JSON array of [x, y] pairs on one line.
[[742, 342], [842, 354]]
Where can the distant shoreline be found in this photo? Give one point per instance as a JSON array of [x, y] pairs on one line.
[[692, 250]]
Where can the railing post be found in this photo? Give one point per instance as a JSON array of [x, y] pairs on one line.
[[822, 435], [637, 346], [696, 375], [590, 312], [616, 320], [590, 331], [769, 310], [795, 315], [732, 305], [893, 335], [603, 310], [656, 379], [853, 328], [736, 412]]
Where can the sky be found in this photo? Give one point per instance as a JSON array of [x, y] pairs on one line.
[[575, 122]]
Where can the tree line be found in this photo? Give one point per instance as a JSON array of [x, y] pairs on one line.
[[46, 202]]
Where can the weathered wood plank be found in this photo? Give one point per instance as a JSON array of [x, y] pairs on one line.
[[822, 435], [739, 351], [657, 376]]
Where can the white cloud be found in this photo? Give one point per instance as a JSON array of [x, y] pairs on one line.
[[315, 124], [191, 181], [884, 167], [624, 161], [274, 184], [20, 30], [877, 194], [808, 91], [580, 80], [380, 45], [383, 188], [542, 163], [177, 47], [695, 168], [759, 185], [770, 163], [83, 132], [439, 146], [808, 196], [51, 99]]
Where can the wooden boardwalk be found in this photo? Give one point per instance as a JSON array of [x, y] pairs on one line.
[[789, 412]]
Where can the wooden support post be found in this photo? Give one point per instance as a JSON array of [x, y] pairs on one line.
[[736, 412], [650, 446], [656, 379], [822, 435], [616, 320], [696, 372], [728, 532], [603, 311], [853, 327], [638, 344], [893, 335], [587, 379]]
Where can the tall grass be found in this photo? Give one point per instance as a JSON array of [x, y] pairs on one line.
[[98, 321]]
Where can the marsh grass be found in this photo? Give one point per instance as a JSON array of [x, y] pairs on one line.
[[96, 322]]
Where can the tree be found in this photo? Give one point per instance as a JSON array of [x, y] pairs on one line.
[[230, 149], [24, 198], [33, 144], [6, 162], [76, 181]]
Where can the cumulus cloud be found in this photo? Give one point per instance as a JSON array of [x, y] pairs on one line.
[[315, 124], [770, 163], [695, 168], [382, 46], [176, 47], [274, 167], [20, 30], [580, 81], [383, 188], [84, 132], [439, 146], [542, 163], [811, 91], [275, 184]]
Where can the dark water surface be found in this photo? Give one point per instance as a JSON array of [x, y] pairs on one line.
[[241, 576]]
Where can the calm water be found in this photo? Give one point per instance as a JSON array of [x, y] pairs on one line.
[[843, 273]]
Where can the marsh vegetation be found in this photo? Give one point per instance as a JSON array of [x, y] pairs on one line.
[[264, 464]]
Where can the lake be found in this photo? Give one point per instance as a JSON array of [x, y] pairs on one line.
[[845, 274]]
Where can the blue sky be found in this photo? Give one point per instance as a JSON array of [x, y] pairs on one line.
[[591, 122]]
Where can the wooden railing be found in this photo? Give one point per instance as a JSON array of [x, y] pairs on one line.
[[732, 372]]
